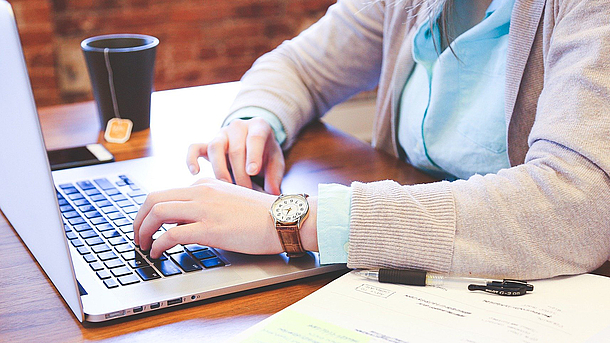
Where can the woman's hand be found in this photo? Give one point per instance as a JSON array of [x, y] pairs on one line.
[[216, 214], [247, 148]]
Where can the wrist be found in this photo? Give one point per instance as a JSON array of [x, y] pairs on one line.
[[308, 231]]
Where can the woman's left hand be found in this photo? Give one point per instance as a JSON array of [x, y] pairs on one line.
[[212, 213]]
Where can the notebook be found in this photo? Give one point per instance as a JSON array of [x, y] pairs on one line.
[[77, 222]]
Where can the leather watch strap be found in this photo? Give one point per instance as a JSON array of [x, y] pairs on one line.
[[291, 240]]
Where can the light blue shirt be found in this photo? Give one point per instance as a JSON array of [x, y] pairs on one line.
[[451, 117]]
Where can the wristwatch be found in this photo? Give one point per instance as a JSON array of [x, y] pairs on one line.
[[289, 211]]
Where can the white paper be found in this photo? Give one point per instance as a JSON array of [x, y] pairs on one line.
[[353, 309]]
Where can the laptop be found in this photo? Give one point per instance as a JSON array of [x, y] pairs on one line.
[[77, 222]]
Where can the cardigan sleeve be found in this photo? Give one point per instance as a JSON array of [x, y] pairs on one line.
[[334, 59], [549, 216]]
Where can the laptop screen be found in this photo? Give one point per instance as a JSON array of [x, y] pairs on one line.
[[28, 197]]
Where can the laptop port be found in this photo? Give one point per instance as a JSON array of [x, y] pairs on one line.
[[115, 314], [174, 301], [155, 305], [138, 309]]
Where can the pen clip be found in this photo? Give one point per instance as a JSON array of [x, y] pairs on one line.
[[507, 287]]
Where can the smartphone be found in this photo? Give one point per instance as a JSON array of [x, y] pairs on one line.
[[80, 156]]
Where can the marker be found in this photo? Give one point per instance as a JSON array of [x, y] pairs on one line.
[[413, 277]]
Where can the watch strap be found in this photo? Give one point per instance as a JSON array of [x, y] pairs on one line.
[[290, 239]]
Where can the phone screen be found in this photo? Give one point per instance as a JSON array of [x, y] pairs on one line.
[[79, 156]]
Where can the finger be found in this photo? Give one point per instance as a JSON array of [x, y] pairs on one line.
[[171, 212], [217, 150], [153, 198], [194, 152], [237, 154], [181, 234], [274, 169], [258, 134]]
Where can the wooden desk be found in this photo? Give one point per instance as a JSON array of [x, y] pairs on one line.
[[32, 310]]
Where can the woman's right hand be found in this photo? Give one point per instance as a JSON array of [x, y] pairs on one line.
[[244, 148]]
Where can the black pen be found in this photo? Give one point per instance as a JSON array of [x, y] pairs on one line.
[[413, 277]]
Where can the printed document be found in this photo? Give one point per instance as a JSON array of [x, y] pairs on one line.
[[352, 309]]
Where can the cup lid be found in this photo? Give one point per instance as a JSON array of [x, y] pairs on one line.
[[123, 42]]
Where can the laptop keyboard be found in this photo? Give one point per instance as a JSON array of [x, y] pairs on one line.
[[98, 219]]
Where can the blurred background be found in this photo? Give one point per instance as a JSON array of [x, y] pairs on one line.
[[201, 41]]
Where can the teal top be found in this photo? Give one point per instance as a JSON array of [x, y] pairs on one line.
[[451, 117]]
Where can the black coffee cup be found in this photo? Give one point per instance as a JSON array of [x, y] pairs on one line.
[[121, 67]]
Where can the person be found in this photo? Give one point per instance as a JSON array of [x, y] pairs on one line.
[[508, 101]]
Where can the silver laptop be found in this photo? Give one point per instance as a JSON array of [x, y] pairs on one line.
[[77, 222]]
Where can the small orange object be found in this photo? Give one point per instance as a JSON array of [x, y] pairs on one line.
[[118, 130]]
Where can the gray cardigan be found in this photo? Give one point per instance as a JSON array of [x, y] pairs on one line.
[[547, 215]]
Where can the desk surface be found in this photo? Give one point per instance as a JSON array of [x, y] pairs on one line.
[[32, 310]]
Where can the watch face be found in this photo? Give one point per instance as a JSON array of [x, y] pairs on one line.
[[289, 209]]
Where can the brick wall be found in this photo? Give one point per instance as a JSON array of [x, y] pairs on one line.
[[201, 42]]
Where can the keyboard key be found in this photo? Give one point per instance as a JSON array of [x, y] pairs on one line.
[[203, 254], [109, 209], [96, 266], [124, 203], [70, 190], [103, 203], [71, 214], [148, 273], [76, 221], [100, 248], [85, 185], [65, 185], [62, 202], [130, 209], [128, 280], [115, 215], [167, 268], [99, 220], [88, 234], [94, 241], [186, 262], [137, 263], [103, 183], [120, 271], [212, 262], [117, 240], [177, 249], [66, 208], [82, 227], [71, 235], [139, 199], [112, 191], [90, 258], [124, 248], [81, 202], [75, 196], [82, 250], [98, 197], [126, 228], [108, 255], [86, 208], [195, 247], [104, 227], [103, 274], [129, 235], [121, 222], [114, 263], [136, 193], [77, 243], [118, 197], [111, 233], [111, 283], [92, 214], [92, 192]]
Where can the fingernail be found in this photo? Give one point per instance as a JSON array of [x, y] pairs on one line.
[[252, 168], [192, 169]]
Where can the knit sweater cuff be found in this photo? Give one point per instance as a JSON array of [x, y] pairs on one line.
[[394, 226]]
